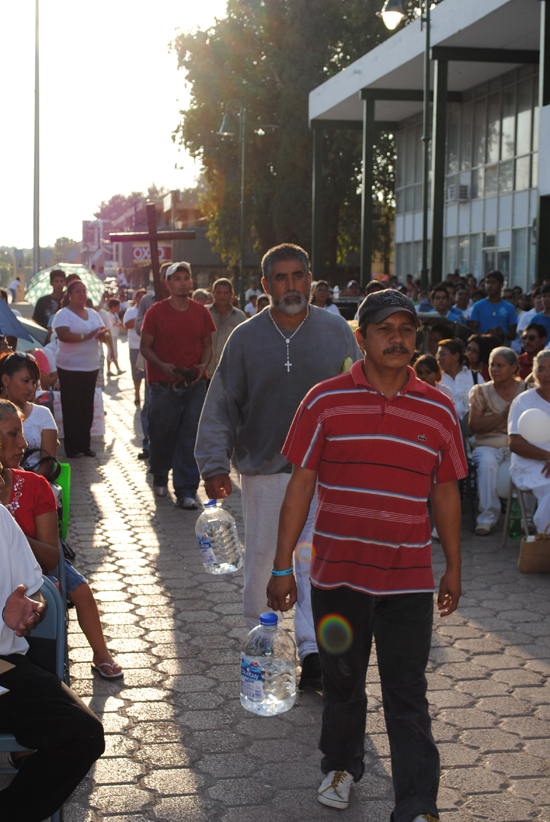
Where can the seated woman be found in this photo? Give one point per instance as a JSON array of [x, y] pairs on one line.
[[478, 349], [530, 467], [19, 376], [427, 369], [31, 502], [456, 374], [489, 408], [321, 297]]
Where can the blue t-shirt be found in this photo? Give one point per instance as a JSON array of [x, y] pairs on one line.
[[490, 315], [454, 314], [543, 320]]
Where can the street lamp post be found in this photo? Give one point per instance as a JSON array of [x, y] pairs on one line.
[[392, 14], [36, 193], [227, 131]]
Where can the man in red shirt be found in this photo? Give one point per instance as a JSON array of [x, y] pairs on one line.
[[176, 342], [534, 339], [376, 441]]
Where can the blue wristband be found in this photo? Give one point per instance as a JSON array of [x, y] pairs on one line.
[[281, 573]]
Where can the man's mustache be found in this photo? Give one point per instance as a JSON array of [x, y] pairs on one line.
[[290, 294], [396, 349]]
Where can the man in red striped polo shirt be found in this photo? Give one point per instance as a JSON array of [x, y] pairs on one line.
[[376, 441]]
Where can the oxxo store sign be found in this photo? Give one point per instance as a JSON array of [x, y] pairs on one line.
[[141, 253]]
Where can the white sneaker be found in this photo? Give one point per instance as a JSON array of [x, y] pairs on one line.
[[334, 789], [190, 503], [426, 817], [160, 490]]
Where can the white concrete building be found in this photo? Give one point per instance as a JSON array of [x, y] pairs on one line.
[[490, 192]]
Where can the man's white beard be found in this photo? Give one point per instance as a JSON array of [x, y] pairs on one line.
[[290, 308]]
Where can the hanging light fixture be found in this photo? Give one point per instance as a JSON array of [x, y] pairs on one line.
[[392, 14], [226, 129]]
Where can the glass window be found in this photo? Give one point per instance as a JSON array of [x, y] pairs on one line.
[[479, 133], [397, 264], [453, 135], [417, 258], [410, 153], [523, 167], [409, 199], [417, 197], [523, 137], [508, 122], [464, 254], [536, 119], [531, 250], [401, 138], [506, 177], [450, 255], [503, 264], [535, 170], [493, 128], [466, 137], [407, 261], [475, 250], [519, 257], [478, 175], [419, 150], [399, 201], [489, 262], [491, 181], [489, 239]]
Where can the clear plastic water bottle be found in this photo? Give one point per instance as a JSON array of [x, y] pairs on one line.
[[336, 292], [218, 540], [268, 669]]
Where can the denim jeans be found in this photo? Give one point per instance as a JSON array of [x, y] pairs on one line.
[[173, 422], [402, 626], [144, 414]]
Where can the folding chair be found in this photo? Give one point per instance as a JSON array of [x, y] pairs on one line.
[[64, 481], [46, 645]]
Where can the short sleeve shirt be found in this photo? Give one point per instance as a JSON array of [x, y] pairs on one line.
[[78, 356], [178, 335], [376, 459], [40, 419], [17, 566], [526, 400], [493, 315], [31, 496]]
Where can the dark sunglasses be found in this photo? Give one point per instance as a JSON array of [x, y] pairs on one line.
[[530, 337]]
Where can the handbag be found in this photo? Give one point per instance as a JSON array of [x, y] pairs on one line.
[[534, 554], [54, 469]]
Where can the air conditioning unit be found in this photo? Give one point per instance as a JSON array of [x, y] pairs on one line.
[[458, 193]]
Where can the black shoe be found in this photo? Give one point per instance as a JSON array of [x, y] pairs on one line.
[[143, 455], [311, 673], [89, 453]]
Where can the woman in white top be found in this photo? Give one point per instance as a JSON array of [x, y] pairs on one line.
[[79, 330], [530, 467], [456, 375], [322, 298], [20, 375]]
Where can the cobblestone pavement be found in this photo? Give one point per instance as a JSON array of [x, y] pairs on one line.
[[179, 744]]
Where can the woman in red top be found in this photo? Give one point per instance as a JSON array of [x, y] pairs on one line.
[[31, 502]]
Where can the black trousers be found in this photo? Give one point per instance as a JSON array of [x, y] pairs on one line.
[[46, 716], [77, 403], [401, 624]]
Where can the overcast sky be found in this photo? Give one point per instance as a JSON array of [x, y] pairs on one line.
[[110, 93]]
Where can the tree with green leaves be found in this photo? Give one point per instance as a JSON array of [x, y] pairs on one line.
[[269, 55]]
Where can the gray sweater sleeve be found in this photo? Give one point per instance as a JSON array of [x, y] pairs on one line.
[[146, 302], [220, 417]]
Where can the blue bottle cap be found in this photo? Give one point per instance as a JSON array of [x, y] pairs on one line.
[[211, 503], [269, 619]]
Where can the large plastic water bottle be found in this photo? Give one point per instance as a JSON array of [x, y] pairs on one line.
[[218, 540], [268, 669]]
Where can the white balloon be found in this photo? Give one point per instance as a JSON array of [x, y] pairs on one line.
[[534, 426], [503, 479]]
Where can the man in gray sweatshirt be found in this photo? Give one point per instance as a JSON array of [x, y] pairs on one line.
[[268, 365]]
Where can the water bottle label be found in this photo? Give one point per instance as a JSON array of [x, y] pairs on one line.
[[251, 679], [207, 553]]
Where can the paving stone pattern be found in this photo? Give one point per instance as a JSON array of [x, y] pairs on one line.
[[180, 746]]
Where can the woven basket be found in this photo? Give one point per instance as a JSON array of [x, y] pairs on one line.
[[534, 554]]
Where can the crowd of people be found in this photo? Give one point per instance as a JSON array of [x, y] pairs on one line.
[[340, 437]]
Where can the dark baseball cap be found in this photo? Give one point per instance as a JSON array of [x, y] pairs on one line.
[[381, 304]]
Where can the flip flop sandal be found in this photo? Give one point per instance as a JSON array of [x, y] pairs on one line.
[[105, 674]]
